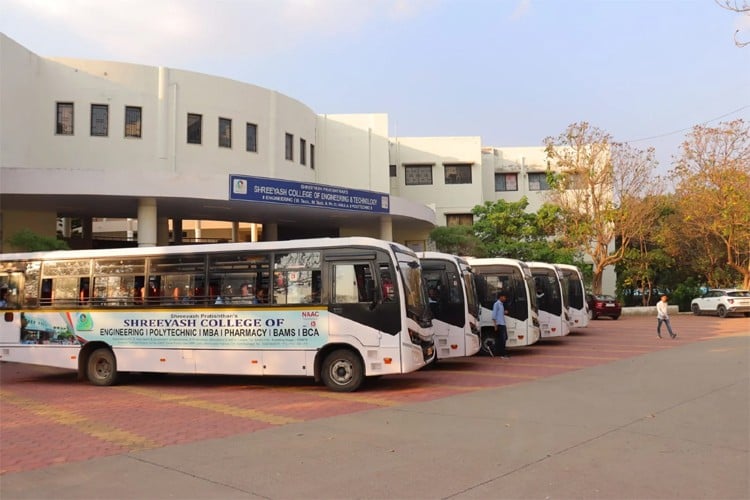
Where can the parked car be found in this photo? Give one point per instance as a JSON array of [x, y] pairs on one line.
[[603, 305], [722, 301]]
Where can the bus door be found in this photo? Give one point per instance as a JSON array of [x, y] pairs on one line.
[[552, 318], [444, 286], [364, 292]]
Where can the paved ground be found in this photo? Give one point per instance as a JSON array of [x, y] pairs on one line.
[[607, 412]]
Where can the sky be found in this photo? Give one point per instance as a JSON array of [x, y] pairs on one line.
[[510, 71]]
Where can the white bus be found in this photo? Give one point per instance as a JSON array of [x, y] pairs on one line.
[[551, 299], [453, 302], [513, 277], [337, 309], [578, 309]]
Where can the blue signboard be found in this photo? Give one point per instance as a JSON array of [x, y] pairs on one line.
[[306, 194]]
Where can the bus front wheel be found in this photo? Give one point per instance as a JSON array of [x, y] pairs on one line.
[[101, 368], [342, 371]]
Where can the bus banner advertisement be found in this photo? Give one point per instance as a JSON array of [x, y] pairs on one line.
[[258, 329]]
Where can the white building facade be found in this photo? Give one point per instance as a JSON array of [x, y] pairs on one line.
[[163, 154]]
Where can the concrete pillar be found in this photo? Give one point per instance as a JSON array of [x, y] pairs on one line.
[[235, 231], [271, 232], [386, 228], [67, 226], [162, 231], [130, 228], [177, 231], [253, 232], [87, 228], [147, 222], [198, 232]]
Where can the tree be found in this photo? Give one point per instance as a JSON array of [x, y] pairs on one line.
[[26, 240], [713, 194], [645, 266], [505, 229], [599, 186], [457, 240]]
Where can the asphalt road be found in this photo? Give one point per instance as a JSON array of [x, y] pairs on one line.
[[607, 412]]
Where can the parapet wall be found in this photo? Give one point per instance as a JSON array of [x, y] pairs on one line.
[[647, 311]]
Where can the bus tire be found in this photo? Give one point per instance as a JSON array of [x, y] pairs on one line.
[[488, 344], [101, 367], [342, 371]]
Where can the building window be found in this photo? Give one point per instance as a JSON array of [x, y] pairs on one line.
[[538, 182], [302, 151], [506, 182], [312, 156], [99, 120], [289, 147], [457, 174], [459, 220], [133, 121], [64, 118], [392, 171], [418, 175], [225, 133], [194, 128], [251, 137]]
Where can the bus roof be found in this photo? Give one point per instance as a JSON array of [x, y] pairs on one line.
[[208, 247]]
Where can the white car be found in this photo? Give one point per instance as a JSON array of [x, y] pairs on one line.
[[722, 301]]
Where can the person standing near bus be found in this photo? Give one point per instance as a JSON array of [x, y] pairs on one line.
[[501, 330], [662, 316]]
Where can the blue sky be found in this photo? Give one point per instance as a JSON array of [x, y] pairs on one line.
[[510, 71]]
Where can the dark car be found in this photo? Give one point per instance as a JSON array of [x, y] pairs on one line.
[[603, 305]]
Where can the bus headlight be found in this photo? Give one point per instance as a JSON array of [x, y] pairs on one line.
[[416, 339]]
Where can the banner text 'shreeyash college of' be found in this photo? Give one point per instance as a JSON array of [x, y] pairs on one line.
[[242, 187]]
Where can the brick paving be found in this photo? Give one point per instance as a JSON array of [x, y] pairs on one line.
[[47, 417]]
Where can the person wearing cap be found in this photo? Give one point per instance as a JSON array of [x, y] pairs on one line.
[[501, 331]]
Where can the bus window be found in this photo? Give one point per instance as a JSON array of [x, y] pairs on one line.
[[11, 285], [46, 297], [231, 274], [84, 293], [293, 277], [352, 283], [386, 283], [114, 290]]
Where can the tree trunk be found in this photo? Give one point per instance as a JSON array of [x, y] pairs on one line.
[[596, 284]]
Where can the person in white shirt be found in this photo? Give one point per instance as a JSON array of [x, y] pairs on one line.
[[662, 316]]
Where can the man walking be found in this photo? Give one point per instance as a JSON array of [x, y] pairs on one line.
[[501, 331], [662, 316]]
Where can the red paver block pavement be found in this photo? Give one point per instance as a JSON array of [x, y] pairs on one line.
[[47, 417]]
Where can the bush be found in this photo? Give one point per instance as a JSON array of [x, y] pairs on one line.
[[26, 240], [684, 293]]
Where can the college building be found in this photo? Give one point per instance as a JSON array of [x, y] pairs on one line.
[[114, 154]]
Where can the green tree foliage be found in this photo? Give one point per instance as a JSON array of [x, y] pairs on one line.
[[505, 229], [644, 270], [28, 241], [457, 240]]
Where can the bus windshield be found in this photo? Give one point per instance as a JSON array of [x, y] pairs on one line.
[[472, 296], [416, 301]]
